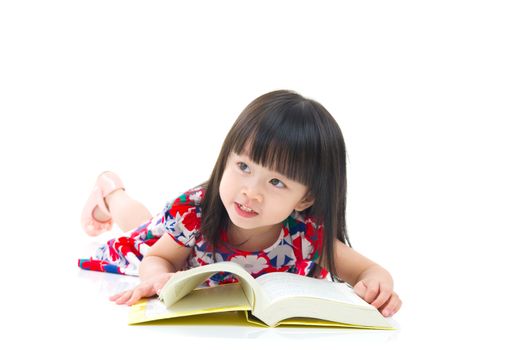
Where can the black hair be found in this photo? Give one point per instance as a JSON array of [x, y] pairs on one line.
[[299, 138]]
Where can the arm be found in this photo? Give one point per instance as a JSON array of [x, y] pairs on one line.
[[165, 256], [157, 266], [371, 281]]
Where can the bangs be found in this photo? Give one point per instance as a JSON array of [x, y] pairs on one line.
[[282, 142]]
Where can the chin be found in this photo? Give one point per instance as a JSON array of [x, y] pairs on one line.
[[241, 224]]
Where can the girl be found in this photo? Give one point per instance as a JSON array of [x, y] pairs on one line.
[[275, 201]]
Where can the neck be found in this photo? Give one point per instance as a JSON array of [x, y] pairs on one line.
[[253, 239]]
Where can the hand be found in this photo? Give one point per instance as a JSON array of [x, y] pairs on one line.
[[145, 289], [379, 295]]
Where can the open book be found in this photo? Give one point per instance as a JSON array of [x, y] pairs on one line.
[[272, 299]]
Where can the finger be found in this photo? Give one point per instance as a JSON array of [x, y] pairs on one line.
[[384, 295], [392, 306], [133, 298], [138, 294], [372, 291], [115, 296], [124, 297]]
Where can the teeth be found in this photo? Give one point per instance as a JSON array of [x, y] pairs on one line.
[[244, 208]]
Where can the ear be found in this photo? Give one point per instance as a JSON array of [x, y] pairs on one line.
[[305, 203]]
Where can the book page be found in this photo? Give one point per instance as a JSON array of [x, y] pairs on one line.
[[183, 282], [280, 285], [223, 298], [212, 299]]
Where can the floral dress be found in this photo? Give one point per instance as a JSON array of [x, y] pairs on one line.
[[296, 250]]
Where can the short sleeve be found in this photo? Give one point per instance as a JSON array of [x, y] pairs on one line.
[[181, 218]]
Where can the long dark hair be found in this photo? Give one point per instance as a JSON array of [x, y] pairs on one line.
[[299, 138]]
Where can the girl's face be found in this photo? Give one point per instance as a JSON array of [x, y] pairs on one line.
[[256, 198]]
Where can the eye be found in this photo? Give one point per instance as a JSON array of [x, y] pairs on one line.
[[242, 166], [277, 183]]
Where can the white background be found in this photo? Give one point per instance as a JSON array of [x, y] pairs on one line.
[[431, 98]]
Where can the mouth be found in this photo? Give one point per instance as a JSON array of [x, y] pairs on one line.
[[245, 211]]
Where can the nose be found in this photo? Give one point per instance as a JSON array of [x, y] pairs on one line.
[[253, 193]]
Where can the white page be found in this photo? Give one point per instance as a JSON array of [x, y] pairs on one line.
[[282, 285]]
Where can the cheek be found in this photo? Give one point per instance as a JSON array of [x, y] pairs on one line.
[[280, 209], [221, 189], [226, 187]]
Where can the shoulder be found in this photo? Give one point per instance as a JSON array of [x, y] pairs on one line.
[[181, 217], [184, 209], [181, 204], [194, 196]]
